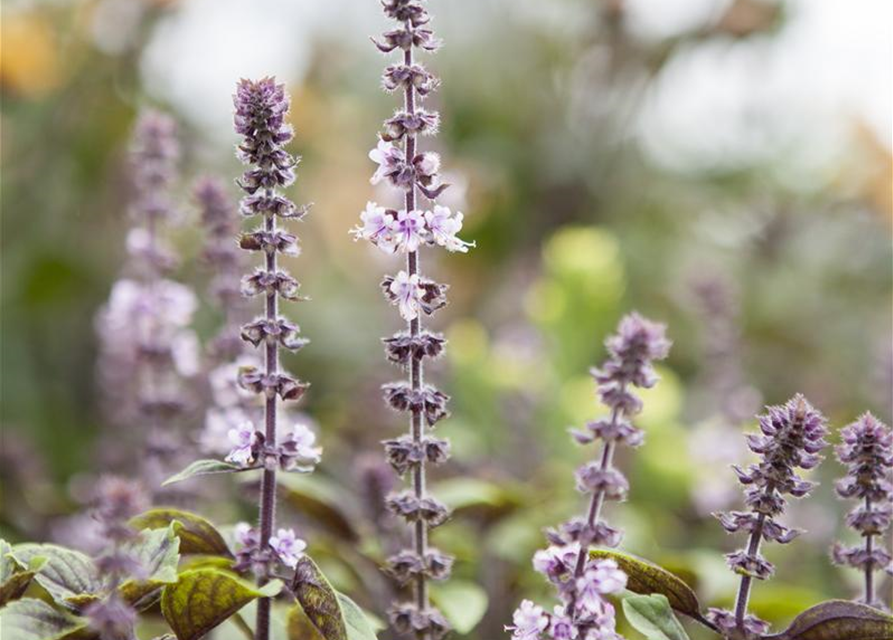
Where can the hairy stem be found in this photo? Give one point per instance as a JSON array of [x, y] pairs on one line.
[[869, 565], [268, 486], [416, 373], [753, 547], [598, 498]]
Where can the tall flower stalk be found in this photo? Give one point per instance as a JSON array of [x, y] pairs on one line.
[[260, 110], [792, 435], [147, 349], [581, 582], [867, 452], [405, 231]]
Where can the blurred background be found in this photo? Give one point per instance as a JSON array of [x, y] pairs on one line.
[[723, 166]]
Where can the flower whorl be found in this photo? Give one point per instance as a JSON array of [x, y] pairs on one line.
[[791, 436], [405, 231], [581, 582], [867, 452], [260, 110]]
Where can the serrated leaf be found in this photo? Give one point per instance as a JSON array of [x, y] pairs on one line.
[[203, 468], [66, 574], [31, 619], [653, 617], [646, 578], [197, 535], [158, 555], [839, 620], [203, 598], [462, 603], [318, 612]]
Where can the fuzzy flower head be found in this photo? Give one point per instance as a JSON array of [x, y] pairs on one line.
[[528, 621], [637, 343], [443, 225], [791, 437], [287, 547], [260, 110], [154, 153], [867, 452]]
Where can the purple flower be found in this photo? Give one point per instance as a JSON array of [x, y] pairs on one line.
[[561, 625], [528, 621], [443, 226], [867, 452], [244, 441], [409, 230], [287, 547], [297, 450], [407, 294]]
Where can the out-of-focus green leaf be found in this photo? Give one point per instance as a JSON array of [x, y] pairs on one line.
[[839, 620], [66, 574], [321, 612], [158, 555], [203, 468], [203, 598], [468, 493], [31, 619], [320, 499], [653, 617], [197, 535], [646, 578], [462, 603]]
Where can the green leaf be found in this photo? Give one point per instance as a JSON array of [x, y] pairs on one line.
[[839, 620], [203, 598], [462, 603], [197, 535], [470, 493], [13, 580], [31, 619], [321, 612], [318, 612], [157, 552], [66, 574], [653, 617], [203, 468], [356, 621], [646, 578]]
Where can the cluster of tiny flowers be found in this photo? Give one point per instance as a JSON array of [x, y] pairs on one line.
[[147, 348], [260, 110], [405, 231], [867, 452], [580, 581], [791, 436], [284, 547], [220, 220], [296, 451], [114, 501]]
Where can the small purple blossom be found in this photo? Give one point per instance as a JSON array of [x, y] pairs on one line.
[[287, 547], [244, 440], [528, 621]]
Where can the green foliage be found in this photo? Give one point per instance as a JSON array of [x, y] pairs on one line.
[[31, 619], [839, 620], [203, 468], [158, 553], [197, 535], [68, 576], [203, 598], [647, 578], [462, 603], [321, 612], [653, 616], [320, 499], [14, 580]]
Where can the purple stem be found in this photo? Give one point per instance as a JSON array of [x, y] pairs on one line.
[[268, 484], [869, 568], [753, 548], [416, 373]]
